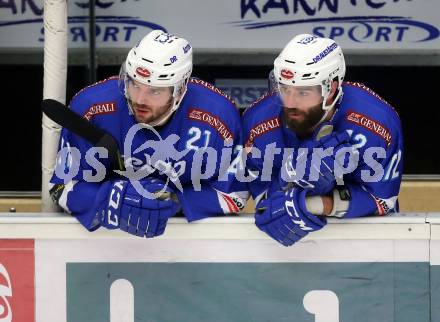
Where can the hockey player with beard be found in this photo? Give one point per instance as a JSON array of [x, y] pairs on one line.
[[172, 129], [341, 144]]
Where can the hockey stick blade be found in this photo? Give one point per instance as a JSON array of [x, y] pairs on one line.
[[65, 117]]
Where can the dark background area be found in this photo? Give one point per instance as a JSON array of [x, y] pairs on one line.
[[409, 89]]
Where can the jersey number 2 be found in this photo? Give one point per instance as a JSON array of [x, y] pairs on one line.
[[195, 135]]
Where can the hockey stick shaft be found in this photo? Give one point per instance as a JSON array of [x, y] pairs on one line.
[[68, 119]]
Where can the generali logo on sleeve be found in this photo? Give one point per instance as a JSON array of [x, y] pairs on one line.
[[17, 282], [370, 124], [100, 108]]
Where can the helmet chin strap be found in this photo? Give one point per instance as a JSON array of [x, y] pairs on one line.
[[326, 113], [174, 106], [328, 108], [162, 120]]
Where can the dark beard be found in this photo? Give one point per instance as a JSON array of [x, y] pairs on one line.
[[311, 118]]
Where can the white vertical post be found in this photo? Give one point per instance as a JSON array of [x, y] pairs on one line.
[[55, 77]]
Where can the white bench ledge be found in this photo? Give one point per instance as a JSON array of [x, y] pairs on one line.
[[64, 226]]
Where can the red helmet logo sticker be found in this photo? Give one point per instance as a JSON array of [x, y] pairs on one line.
[[287, 74], [143, 72]]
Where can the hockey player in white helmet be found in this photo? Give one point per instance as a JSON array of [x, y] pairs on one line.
[[309, 85], [155, 75], [332, 127], [163, 121]]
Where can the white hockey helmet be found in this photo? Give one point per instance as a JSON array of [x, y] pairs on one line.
[[308, 60], [160, 60]]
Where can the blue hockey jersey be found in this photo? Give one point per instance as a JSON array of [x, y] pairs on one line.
[[193, 152], [374, 128]]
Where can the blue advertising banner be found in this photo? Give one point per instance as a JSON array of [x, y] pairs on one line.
[[235, 25]]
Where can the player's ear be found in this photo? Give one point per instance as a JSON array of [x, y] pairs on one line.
[[333, 92]]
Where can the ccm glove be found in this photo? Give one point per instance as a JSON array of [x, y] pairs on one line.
[[320, 162], [142, 211], [284, 216]]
